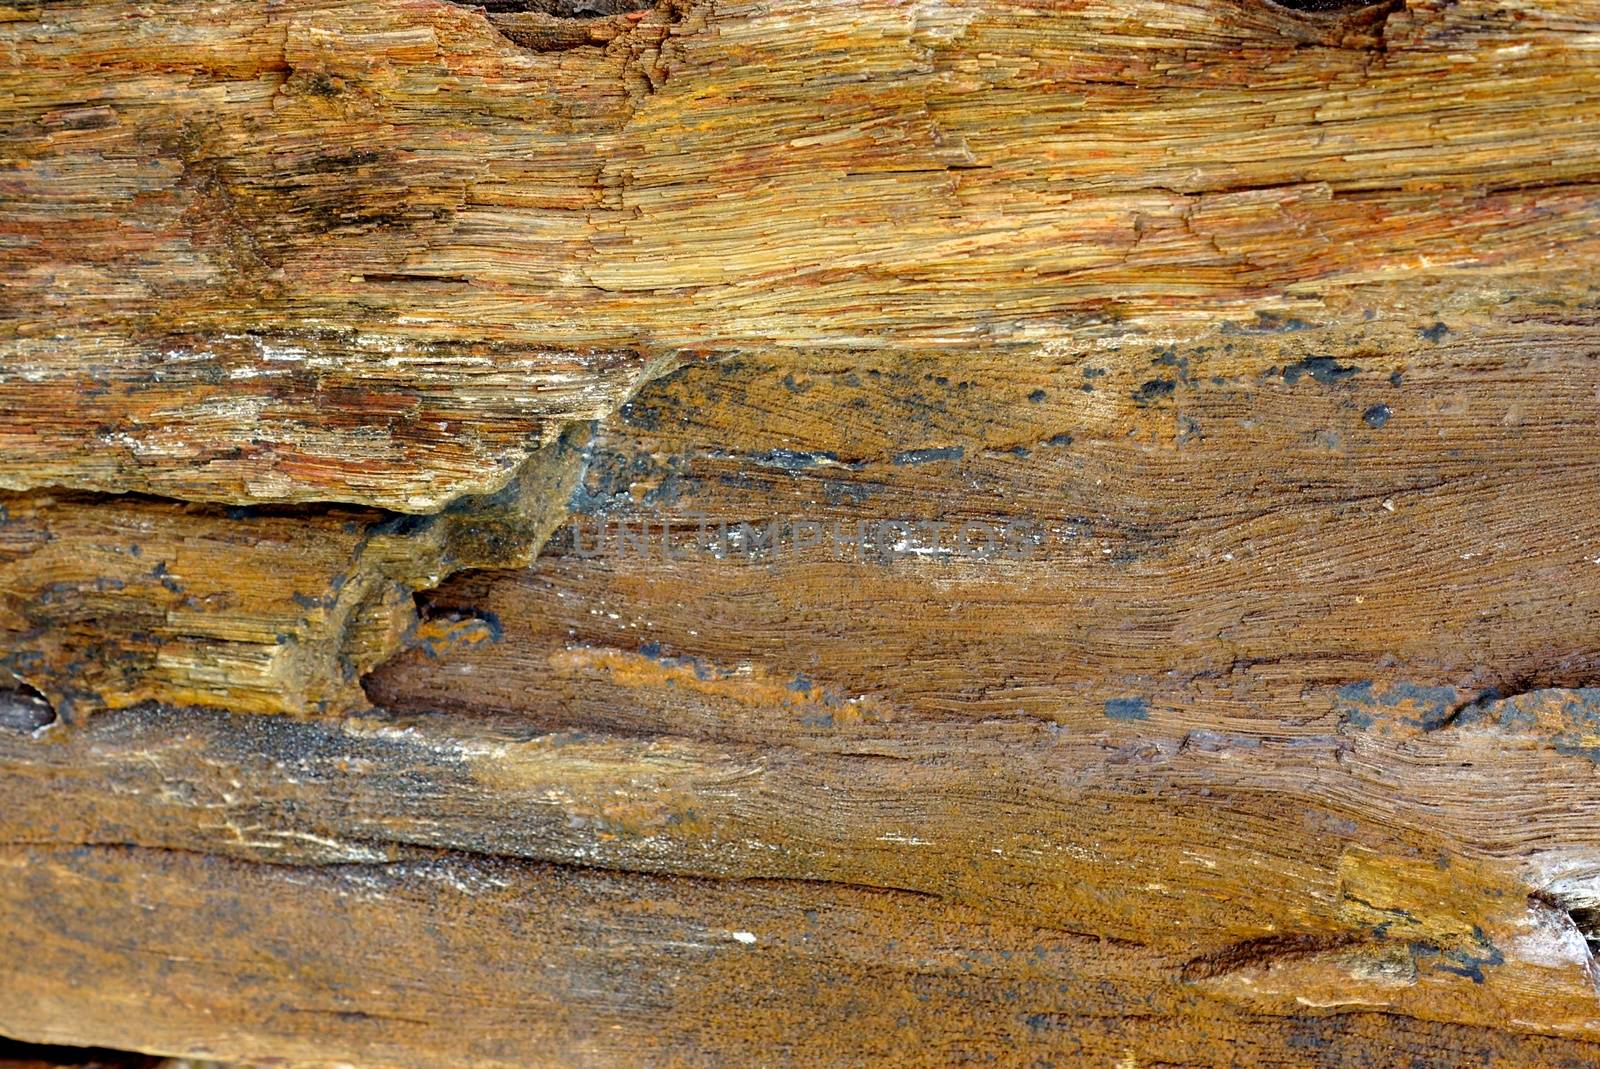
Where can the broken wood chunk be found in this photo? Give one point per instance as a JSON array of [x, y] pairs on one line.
[[116, 601]]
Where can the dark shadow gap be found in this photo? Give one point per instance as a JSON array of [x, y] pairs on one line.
[[17, 1055], [24, 709], [564, 9]]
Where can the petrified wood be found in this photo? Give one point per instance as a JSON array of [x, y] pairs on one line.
[[899, 532]]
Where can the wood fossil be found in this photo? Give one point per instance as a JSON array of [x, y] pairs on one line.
[[801, 532]]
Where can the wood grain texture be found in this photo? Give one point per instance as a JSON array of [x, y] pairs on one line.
[[538, 955], [112, 602], [711, 534], [370, 252]]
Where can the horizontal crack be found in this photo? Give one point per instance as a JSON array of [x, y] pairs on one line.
[[1262, 951]]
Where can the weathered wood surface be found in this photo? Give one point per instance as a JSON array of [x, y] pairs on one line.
[[369, 252], [336, 335], [113, 601]]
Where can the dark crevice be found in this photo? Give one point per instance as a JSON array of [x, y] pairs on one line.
[[421, 857], [563, 25], [23, 709], [74, 495], [409, 278], [1263, 951], [1583, 913], [40, 1055], [1577, 676], [1330, 7], [564, 9], [1352, 24], [1587, 921], [416, 858]]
